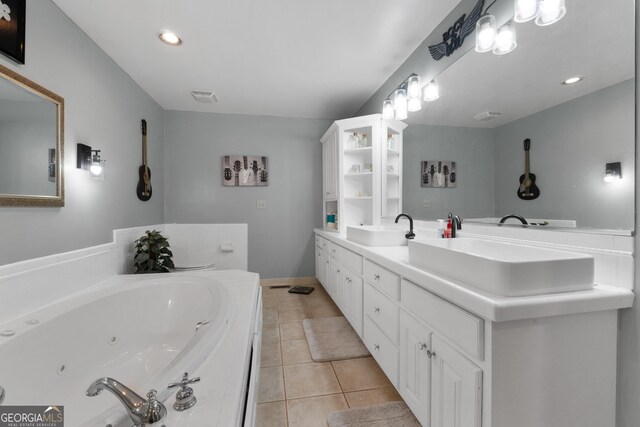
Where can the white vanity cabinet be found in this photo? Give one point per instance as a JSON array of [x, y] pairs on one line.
[[330, 166], [472, 360]]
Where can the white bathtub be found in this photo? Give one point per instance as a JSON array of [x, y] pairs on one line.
[[140, 330]]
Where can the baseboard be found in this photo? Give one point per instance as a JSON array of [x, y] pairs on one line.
[[293, 281]]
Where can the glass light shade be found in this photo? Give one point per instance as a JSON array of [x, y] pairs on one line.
[[97, 169], [387, 109], [506, 39], [414, 104], [431, 91], [401, 113], [413, 87], [485, 33], [551, 11], [526, 10]]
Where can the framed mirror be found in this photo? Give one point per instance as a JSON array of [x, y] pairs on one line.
[[490, 105], [31, 143]]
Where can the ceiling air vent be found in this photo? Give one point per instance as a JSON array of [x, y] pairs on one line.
[[487, 115], [204, 97]]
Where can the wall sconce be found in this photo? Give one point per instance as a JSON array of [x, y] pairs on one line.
[[613, 172], [89, 159]]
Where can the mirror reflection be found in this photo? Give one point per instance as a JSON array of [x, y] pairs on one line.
[[30, 143], [490, 105]]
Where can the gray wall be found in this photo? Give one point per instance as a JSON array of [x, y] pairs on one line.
[[280, 236], [471, 149], [628, 414], [570, 145], [103, 109]]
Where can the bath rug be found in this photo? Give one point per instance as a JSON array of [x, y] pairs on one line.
[[332, 338], [392, 414]]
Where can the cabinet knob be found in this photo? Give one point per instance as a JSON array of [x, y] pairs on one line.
[[376, 277], [377, 309], [376, 346], [422, 345], [431, 354], [337, 271]]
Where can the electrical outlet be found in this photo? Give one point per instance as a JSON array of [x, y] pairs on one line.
[[261, 204], [426, 203]]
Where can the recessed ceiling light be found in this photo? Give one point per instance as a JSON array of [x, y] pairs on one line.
[[170, 38], [572, 80]]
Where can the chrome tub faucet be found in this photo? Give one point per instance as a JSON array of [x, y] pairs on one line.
[[142, 412]]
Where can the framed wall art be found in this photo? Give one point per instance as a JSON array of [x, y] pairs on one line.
[[438, 174], [12, 23], [245, 171]]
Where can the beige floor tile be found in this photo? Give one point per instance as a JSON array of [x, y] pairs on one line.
[[293, 314], [273, 414], [269, 303], [294, 303], [291, 331], [313, 411], [296, 351], [321, 303], [357, 399], [270, 332], [325, 311], [360, 374], [271, 384], [270, 354], [270, 315], [310, 379]]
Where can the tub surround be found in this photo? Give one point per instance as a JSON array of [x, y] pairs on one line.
[[54, 281], [510, 358]]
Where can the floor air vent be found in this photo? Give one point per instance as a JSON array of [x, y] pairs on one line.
[[280, 287]]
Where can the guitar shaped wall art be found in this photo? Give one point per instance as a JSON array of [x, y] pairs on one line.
[[144, 183], [528, 189]]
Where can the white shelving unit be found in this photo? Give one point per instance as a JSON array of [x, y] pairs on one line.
[[367, 171]]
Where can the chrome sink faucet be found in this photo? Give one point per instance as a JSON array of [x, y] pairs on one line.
[[456, 224], [142, 412], [410, 235]]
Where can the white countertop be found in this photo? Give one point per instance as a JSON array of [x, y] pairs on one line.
[[491, 307]]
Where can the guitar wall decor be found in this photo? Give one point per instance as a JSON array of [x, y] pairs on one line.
[[144, 183], [245, 171], [528, 189]]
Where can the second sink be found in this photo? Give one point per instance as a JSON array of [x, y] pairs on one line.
[[504, 268], [377, 235]]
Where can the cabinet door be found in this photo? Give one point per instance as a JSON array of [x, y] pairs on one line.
[[330, 167], [333, 278], [355, 300], [456, 388], [319, 265], [415, 366]]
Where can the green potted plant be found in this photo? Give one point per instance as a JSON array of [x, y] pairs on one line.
[[152, 254]]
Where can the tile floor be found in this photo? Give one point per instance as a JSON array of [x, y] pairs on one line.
[[294, 390]]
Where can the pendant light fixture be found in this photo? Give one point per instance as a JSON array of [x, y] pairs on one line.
[[505, 40], [485, 33], [387, 109], [400, 103], [551, 11], [526, 10], [414, 93], [431, 91]]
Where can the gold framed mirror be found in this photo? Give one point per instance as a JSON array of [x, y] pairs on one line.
[[31, 143]]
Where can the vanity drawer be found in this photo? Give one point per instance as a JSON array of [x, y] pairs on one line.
[[460, 326], [382, 311], [385, 353], [387, 281], [347, 258], [322, 243]]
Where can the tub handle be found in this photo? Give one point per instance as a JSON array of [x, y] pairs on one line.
[[1, 394], [203, 323]]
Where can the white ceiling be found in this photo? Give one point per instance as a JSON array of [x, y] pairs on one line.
[[289, 58], [595, 40]]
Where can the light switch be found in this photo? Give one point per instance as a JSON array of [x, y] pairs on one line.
[[261, 204], [426, 203]]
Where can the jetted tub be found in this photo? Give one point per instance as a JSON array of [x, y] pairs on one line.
[[139, 330]]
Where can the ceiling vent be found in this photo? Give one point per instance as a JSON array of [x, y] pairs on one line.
[[487, 115], [204, 97]]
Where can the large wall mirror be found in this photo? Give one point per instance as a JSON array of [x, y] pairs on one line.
[[575, 130], [31, 143]]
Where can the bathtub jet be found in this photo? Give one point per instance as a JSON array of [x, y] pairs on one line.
[[142, 412]]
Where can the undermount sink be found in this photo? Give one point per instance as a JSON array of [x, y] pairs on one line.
[[505, 269], [377, 235]]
